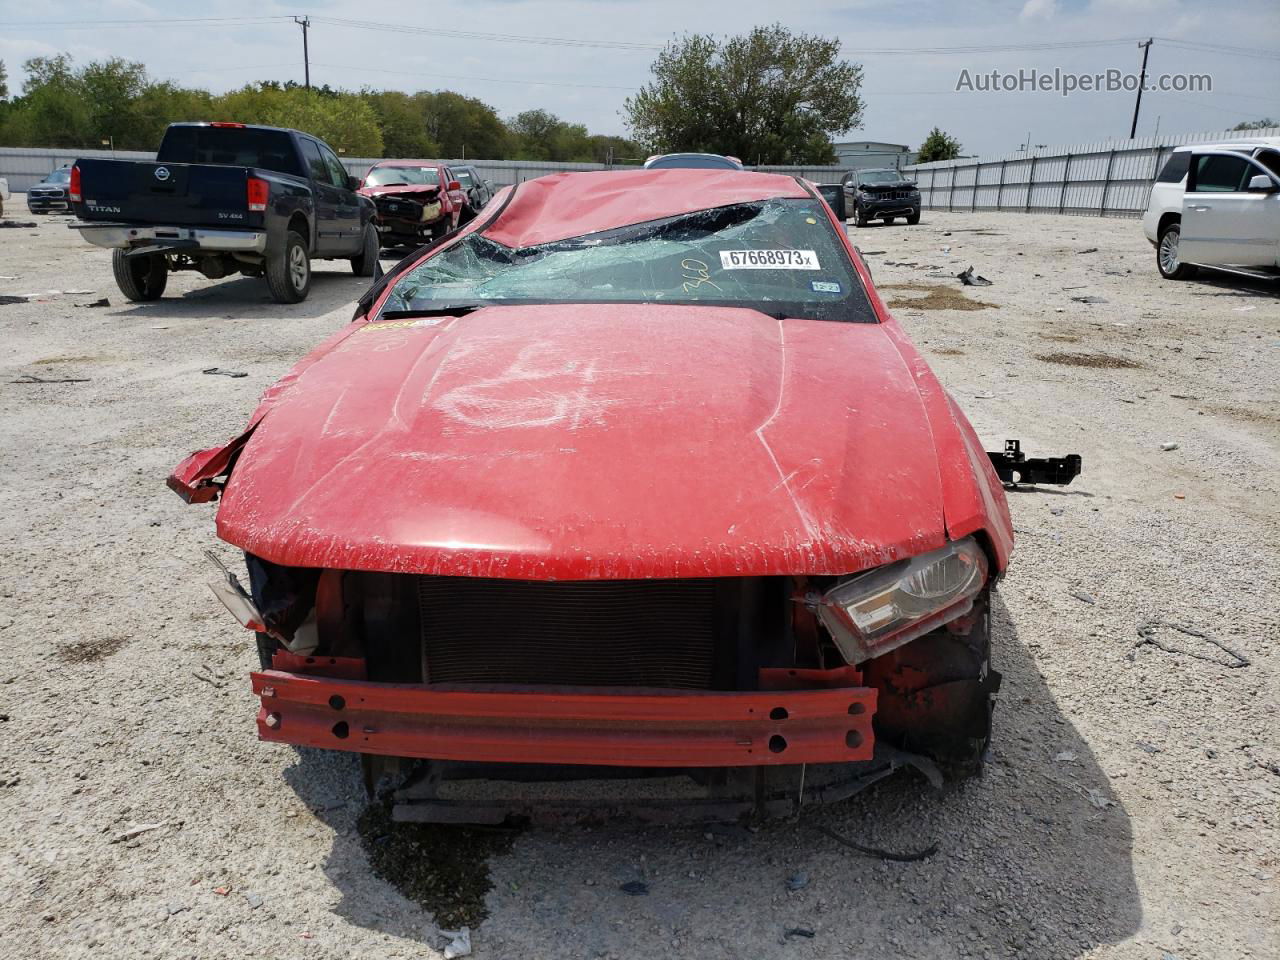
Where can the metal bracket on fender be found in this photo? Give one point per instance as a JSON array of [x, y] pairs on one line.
[[1014, 467]]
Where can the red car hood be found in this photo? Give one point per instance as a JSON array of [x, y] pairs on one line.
[[594, 441]]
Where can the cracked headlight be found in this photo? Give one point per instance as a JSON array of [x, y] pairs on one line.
[[874, 612]]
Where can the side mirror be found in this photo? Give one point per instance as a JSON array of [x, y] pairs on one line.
[[1261, 183], [454, 185], [354, 183]]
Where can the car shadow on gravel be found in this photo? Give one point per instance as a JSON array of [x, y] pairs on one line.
[[1034, 860], [330, 289]]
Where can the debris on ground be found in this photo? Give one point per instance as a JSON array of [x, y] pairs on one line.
[[254, 900], [970, 279], [32, 378], [219, 372], [1168, 446], [1100, 799], [635, 888], [1099, 360], [24, 224], [1090, 299], [459, 944], [1083, 597], [1087, 250], [104, 302], [798, 880], [1148, 633], [912, 857], [9, 299], [1065, 756], [800, 932], [139, 830]]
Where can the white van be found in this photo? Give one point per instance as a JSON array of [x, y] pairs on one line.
[[1238, 230]]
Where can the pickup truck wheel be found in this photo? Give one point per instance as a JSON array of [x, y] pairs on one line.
[[289, 271], [363, 265], [140, 278], [1171, 268]]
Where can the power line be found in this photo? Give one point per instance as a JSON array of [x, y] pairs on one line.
[[401, 28], [1221, 48], [456, 76]]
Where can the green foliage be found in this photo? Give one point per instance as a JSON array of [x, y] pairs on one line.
[[114, 100], [4, 82], [769, 96], [938, 146], [462, 126], [1263, 124]]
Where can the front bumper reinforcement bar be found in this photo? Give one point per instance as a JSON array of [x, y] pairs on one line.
[[607, 727]]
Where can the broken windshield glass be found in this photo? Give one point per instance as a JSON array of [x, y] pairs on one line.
[[780, 256]]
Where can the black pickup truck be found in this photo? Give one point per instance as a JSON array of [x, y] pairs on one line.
[[225, 198]]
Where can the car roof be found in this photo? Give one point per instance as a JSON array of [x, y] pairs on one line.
[[565, 205], [1231, 144]]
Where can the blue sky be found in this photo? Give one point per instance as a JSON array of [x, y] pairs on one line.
[[906, 93]]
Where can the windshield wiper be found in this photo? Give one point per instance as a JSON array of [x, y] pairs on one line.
[[448, 310]]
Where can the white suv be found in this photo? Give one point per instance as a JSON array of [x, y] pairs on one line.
[[1217, 205]]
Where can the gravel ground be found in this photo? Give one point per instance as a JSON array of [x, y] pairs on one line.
[[1130, 806]]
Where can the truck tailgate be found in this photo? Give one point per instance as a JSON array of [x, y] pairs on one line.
[[142, 191]]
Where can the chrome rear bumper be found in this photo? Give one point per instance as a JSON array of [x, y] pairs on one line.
[[123, 235]]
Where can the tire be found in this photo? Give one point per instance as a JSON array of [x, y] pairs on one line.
[[937, 693], [140, 278], [913, 219], [1167, 262], [289, 271], [364, 265], [859, 218]]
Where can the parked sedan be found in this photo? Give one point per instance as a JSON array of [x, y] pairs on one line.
[[479, 190], [634, 471], [50, 194]]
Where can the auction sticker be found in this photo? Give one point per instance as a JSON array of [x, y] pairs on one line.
[[768, 260], [825, 286]]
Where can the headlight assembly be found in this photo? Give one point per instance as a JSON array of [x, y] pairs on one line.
[[874, 612]]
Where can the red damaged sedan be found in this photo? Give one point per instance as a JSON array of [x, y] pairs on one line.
[[633, 474]]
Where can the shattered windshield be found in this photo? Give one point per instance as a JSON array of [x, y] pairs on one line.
[[781, 256], [390, 176]]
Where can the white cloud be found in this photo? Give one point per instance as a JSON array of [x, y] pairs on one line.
[[1038, 10]]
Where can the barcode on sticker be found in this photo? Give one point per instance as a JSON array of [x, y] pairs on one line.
[[768, 260]]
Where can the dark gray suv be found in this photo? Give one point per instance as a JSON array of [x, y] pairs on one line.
[[880, 195], [50, 194]]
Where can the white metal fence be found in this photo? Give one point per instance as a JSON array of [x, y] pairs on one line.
[[25, 166], [1108, 179]]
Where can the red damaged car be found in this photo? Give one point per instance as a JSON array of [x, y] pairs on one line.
[[415, 201], [634, 474]]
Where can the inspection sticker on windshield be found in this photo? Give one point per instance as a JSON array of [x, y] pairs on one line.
[[768, 260], [824, 286]]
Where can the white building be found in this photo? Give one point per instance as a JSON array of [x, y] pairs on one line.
[[866, 154]]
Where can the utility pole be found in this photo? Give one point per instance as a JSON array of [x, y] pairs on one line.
[[304, 23], [1142, 82]]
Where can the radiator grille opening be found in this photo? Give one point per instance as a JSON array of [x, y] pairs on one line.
[[642, 633]]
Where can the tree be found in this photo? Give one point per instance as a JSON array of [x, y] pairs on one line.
[[938, 146], [770, 96], [1263, 124], [462, 126], [4, 82], [404, 131]]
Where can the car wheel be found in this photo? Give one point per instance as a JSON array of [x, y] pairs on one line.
[[914, 218], [1171, 268], [365, 264], [140, 278], [289, 271], [859, 218], [936, 694]]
